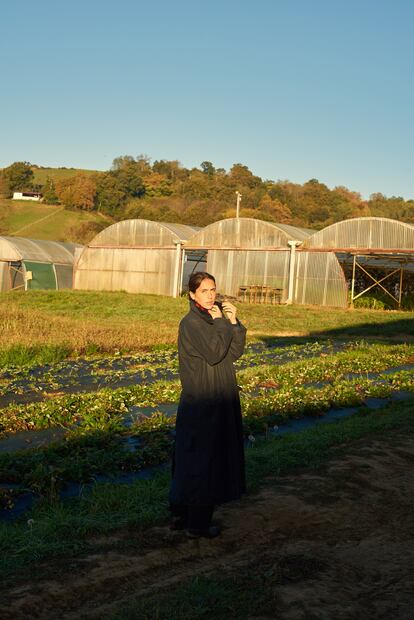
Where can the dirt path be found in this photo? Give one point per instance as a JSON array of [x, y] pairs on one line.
[[340, 540]]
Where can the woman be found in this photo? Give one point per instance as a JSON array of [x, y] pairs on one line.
[[208, 464]]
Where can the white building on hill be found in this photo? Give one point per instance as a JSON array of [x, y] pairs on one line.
[[27, 196]]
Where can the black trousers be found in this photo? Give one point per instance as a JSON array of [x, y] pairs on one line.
[[195, 517]]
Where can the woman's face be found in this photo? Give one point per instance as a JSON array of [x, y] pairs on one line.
[[205, 295]]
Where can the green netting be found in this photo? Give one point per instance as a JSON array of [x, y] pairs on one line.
[[43, 275]]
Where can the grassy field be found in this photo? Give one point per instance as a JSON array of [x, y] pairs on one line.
[[84, 321], [21, 218], [43, 327], [56, 174]]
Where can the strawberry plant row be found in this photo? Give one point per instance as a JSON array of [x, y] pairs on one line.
[[81, 456]]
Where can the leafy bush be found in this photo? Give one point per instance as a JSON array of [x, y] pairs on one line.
[[375, 302]]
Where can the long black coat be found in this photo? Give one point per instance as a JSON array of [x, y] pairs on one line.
[[208, 464]]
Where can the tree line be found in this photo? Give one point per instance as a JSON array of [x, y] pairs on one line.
[[167, 191]]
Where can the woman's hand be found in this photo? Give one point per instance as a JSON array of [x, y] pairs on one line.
[[230, 311], [215, 312]]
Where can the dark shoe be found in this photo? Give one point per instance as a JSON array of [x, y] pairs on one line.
[[208, 532], [178, 523]]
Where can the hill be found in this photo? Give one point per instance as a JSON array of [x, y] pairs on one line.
[[52, 222], [167, 191]]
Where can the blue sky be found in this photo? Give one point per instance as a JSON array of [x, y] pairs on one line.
[[293, 89]]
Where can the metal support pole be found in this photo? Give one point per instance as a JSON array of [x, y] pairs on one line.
[[292, 245], [238, 194], [177, 269], [401, 285], [353, 281], [181, 278]]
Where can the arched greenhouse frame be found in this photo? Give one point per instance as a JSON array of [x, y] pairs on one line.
[[137, 256], [376, 255], [28, 264], [250, 258], [255, 260]]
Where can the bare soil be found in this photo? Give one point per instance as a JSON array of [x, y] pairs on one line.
[[340, 541]]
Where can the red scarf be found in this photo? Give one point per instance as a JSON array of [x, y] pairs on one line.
[[201, 308]]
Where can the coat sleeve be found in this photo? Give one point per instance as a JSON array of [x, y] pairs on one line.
[[210, 344], [238, 342]]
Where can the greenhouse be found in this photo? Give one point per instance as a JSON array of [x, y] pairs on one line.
[[137, 256], [250, 258], [35, 264], [256, 261], [374, 254], [263, 262]]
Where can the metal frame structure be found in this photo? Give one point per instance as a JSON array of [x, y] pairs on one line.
[[369, 244], [356, 264]]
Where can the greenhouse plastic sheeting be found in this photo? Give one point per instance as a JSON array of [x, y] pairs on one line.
[[64, 276]]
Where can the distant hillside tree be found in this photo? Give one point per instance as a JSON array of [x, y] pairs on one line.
[[128, 174], [208, 168], [18, 177], [77, 192], [157, 185], [173, 170], [407, 214], [4, 186], [241, 175], [274, 211], [395, 207], [196, 186], [110, 197], [50, 196], [155, 211], [143, 163]]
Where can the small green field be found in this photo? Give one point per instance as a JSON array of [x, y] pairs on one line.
[[20, 218], [56, 174]]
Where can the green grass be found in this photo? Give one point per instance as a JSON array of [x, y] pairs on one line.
[[89, 321], [246, 591], [34, 220], [56, 174], [21, 356], [118, 321], [116, 307], [259, 319], [53, 529], [243, 594], [332, 322], [232, 596]]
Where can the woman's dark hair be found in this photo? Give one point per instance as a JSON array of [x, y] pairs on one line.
[[197, 278]]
